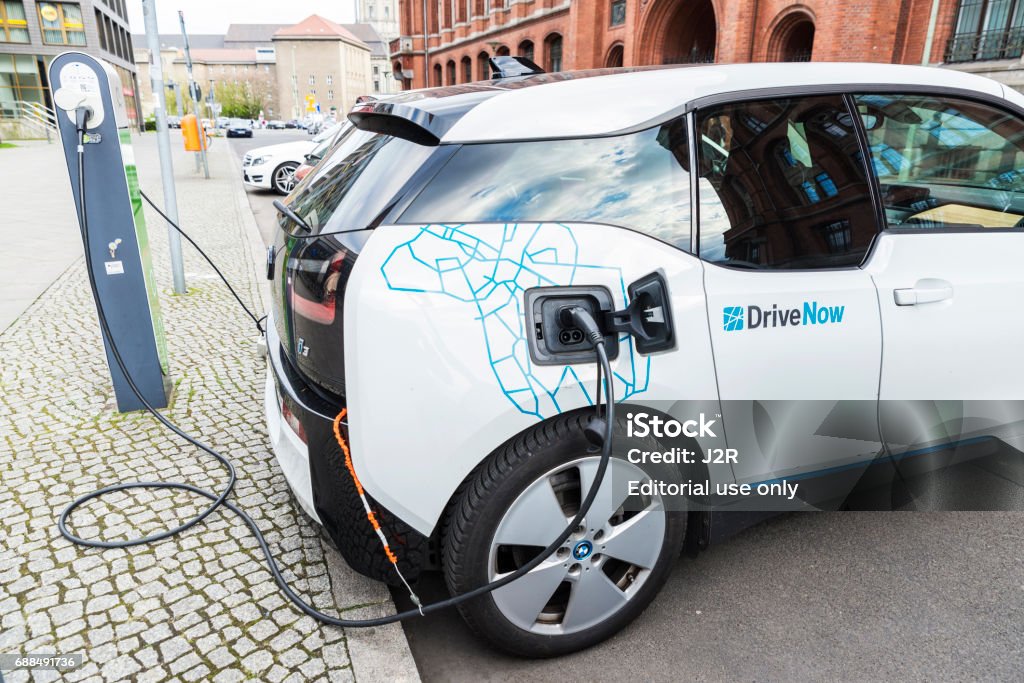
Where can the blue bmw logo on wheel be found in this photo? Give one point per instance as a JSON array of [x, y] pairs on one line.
[[582, 550]]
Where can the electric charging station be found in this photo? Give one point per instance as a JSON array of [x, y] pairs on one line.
[[118, 234]]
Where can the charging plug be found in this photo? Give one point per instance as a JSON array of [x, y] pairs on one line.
[[82, 116], [557, 337], [577, 316]]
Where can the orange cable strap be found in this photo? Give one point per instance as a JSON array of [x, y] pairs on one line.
[[359, 487]]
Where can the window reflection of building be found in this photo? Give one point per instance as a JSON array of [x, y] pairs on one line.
[[638, 181], [790, 182]]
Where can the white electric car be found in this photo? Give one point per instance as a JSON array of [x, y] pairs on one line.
[[821, 262], [273, 167]]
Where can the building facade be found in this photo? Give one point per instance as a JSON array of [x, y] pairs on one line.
[[382, 15], [251, 68], [444, 42], [320, 63], [33, 32], [260, 57]]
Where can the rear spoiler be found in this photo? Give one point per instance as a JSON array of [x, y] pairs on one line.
[[400, 120], [424, 116]]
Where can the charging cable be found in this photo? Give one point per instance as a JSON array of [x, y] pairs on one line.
[[248, 311], [580, 316]]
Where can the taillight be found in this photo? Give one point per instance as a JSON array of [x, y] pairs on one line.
[[323, 285], [292, 421]]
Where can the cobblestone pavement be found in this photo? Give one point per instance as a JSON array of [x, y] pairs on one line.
[[200, 606]]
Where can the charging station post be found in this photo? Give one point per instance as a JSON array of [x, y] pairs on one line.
[[117, 229]]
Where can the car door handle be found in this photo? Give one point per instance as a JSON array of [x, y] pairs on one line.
[[927, 291]]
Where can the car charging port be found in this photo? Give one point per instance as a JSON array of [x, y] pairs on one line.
[[570, 337], [556, 339]]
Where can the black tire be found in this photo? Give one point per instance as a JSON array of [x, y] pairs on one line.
[[286, 166], [485, 498]]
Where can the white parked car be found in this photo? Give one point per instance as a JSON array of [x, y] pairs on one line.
[[812, 270], [273, 167]]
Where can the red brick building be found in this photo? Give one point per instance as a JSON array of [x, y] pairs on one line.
[[445, 42]]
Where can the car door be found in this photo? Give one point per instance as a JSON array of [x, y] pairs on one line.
[[948, 269], [785, 219]]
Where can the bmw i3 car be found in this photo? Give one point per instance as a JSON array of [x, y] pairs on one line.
[[822, 262]]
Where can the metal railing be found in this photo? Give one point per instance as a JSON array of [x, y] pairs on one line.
[[803, 55], [985, 45], [695, 56], [35, 116]]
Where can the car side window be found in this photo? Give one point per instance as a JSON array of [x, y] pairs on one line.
[[638, 181], [783, 185], [945, 162]]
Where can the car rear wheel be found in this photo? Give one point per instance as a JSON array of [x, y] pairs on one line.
[[605, 574], [283, 179]]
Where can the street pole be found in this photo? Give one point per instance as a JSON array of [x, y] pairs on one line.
[[156, 77], [194, 91]]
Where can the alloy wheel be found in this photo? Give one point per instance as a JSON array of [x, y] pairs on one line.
[[598, 570], [284, 179]]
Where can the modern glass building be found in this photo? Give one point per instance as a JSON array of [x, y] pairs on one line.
[[33, 32]]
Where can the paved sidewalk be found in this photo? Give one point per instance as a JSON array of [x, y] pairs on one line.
[[200, 606], [39, 234]]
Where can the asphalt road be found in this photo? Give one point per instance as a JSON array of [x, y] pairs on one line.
[[849, 596], [261, 201], [828, 596]]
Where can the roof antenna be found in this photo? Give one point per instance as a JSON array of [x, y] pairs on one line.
[[506, 66]]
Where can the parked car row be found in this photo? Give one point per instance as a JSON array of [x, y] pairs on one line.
[[273, 167]]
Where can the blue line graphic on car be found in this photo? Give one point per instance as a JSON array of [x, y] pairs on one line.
[[490, 268]]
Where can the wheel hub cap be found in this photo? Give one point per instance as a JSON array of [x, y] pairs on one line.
[[582, 550]]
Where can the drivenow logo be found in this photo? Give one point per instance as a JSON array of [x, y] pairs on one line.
[[735, 318], [732, 318]]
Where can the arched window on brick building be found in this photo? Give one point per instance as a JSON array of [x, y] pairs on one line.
[[451, 72], [691, 33], [553, 53], [793, 39], [467, 70], [615, 56], [437, 75], [483, 67], [525, 50]]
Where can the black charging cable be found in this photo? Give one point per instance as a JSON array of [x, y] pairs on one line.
[[582, 318], [248, 311]]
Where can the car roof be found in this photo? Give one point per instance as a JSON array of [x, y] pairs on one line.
[[577, 104]]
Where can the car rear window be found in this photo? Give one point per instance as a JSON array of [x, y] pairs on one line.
[[357, 180], [638, 181]]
